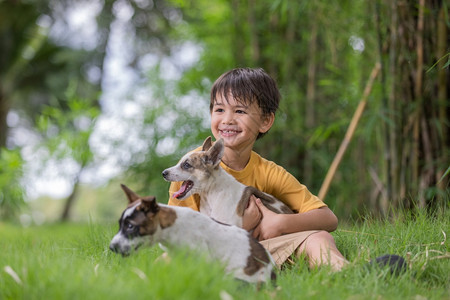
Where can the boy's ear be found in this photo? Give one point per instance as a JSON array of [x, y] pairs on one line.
[[267, 122], [215, 153]]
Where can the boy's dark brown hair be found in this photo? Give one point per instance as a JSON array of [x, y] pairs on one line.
[[247, 85]]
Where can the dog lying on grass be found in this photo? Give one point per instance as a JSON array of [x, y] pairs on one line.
[[222, 197], [145, 222]]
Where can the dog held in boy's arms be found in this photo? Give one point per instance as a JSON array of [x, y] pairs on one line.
[[145, 222], [222, 197]]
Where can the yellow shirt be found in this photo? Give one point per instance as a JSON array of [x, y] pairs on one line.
[[266, 176]]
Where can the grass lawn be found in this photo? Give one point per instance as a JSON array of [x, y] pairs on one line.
[[72, 261]]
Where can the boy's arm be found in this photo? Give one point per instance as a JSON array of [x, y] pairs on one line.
[[272, 224]]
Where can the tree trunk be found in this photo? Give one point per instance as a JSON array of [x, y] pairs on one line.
[[442, 35], [254, 38], [239, 40], [65, 216], [394, 160], [310, 101], [385, 128], [417, 101], [4, 109]]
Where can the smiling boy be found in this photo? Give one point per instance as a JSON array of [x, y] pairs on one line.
[[243, 105]]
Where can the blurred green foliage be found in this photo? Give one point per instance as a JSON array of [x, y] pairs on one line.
[[11, 190], [320, 54], [67, 130]]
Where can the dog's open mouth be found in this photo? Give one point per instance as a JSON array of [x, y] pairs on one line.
[[185, 188]]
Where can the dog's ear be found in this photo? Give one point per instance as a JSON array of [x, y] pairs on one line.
[[215, 153], [132, 196], [207, 144], [149, 205]]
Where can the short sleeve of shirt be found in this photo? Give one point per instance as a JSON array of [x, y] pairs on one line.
[[273, 179]]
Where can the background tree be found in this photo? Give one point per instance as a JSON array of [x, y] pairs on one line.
[[320, 54], [34, 71], [413, 37], [11, 192], [312, 50], [41, 55], [33, 67], [71, 142]]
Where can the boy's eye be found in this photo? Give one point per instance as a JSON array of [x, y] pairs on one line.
[[186, 165], [219, 110], [240, 111]]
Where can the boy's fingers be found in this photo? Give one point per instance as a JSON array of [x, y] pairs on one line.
[[251, 202], [252, 208], [252, 215], [260, 205], [256, 233]]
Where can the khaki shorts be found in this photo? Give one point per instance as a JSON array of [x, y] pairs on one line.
[[282, 247]]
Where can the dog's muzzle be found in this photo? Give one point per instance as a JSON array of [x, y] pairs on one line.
[[113, 248], [117, 249], [118, 245]]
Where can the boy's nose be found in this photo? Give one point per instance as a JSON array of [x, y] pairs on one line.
[[228, 118]]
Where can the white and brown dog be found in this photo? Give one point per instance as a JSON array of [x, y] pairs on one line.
[[222, 197], [145, 222]]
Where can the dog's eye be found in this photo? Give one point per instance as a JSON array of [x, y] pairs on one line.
[[186, 165], [129, 226]]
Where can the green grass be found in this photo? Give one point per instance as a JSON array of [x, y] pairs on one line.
[[73, 262]]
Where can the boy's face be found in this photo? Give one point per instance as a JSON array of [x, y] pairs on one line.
[[237, 123]]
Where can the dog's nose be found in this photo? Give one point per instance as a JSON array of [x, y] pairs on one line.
[[113, 247], [164, 173]]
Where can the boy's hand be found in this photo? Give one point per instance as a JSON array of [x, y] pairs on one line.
[[252, 216], [270, 225]]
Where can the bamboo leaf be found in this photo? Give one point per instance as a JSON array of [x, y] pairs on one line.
[[445, 174], [445, 65]]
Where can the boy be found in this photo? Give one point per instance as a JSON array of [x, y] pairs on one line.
[[243, 105]]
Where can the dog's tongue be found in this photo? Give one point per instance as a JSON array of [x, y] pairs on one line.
[[181, 191]]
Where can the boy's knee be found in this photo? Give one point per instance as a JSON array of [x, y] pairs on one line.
[[320, 237], [320, 248]]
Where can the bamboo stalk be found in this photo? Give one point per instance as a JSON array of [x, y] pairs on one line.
[[254, 37], [349, 134], [239, 44], [442, 35], [310, 99], [419, 50], [394, 132], [415, 159], [382, 50]]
